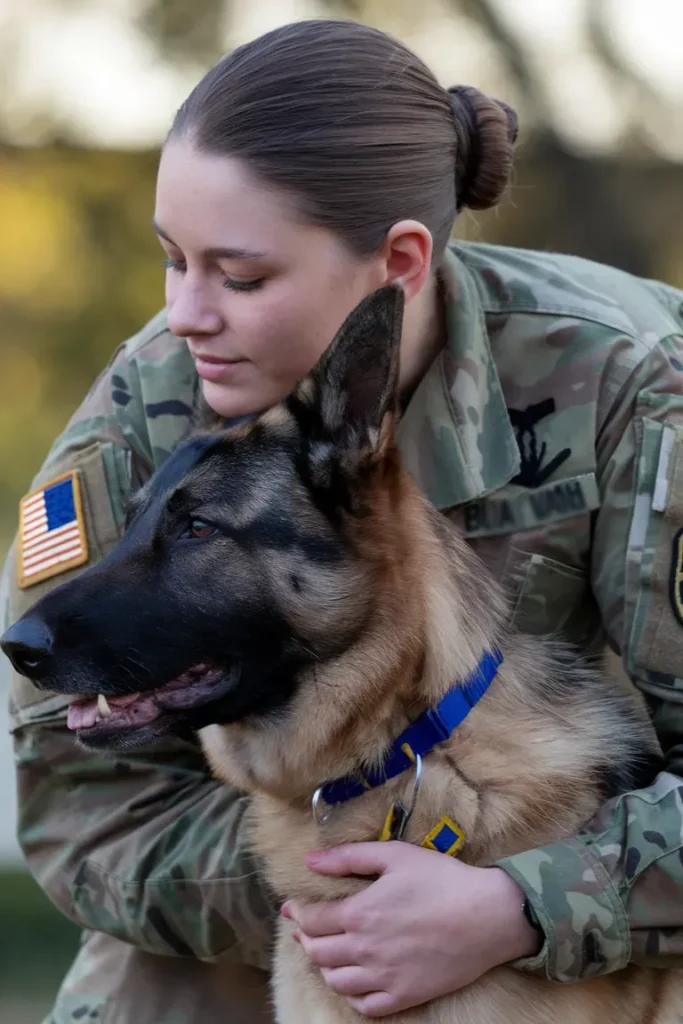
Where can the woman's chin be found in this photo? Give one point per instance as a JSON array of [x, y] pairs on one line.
[[227, 400], [230, 400]]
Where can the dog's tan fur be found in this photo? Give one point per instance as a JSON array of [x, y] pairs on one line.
[[518, 773]]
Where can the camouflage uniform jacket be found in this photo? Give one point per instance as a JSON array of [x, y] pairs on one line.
[[550, 429]]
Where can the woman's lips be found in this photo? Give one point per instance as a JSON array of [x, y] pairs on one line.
[[213, 369]]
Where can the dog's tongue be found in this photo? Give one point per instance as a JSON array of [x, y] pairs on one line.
[[85, 713]]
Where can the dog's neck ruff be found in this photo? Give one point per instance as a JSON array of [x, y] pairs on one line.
[[431, 728]]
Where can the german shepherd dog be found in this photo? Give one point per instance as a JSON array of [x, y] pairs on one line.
[[283, 587]]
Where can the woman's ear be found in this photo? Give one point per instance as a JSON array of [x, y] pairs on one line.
[[407, 252]]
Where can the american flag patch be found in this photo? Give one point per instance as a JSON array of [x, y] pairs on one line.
[[52, 535]]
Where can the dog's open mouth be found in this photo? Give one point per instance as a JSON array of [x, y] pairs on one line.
[[198, 685]]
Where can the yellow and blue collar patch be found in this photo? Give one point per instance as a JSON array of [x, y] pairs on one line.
[[446, 837]]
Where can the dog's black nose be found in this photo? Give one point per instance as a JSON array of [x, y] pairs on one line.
[[28, 644]]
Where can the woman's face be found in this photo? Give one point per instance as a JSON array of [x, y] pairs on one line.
[[257, 292]]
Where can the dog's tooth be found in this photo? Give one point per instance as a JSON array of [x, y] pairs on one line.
[[103, 706]]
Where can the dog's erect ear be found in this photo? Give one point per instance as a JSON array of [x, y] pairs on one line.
[[355, 383]]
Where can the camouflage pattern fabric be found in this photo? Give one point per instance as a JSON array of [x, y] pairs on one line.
[[550, 430]]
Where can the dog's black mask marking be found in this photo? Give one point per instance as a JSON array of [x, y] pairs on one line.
[[163, 601], [229, 555]]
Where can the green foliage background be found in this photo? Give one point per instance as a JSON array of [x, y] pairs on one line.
[[37, 945], [81, 272]]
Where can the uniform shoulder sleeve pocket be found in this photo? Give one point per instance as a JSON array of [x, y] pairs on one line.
[[103, 483], [654, 567]]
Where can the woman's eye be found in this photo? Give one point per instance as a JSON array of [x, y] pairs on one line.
[[234, 285], [198, 529], [242, 286], [171, 264]]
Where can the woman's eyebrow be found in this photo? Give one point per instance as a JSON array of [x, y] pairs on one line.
[[216, 252]]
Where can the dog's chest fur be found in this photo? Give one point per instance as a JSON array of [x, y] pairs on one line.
[[513, 778]]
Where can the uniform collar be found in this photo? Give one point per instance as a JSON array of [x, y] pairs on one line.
[[455, 435]]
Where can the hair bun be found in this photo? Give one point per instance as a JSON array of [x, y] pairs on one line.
[[486, 131]]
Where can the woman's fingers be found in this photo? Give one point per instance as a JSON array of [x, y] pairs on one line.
[[330, 951], [347, 981]]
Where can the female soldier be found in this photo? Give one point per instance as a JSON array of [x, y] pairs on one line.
[[543, 415]]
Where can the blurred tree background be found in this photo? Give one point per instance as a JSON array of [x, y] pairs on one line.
[[87, 89]]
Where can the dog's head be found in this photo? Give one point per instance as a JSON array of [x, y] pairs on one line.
[[248, 557]]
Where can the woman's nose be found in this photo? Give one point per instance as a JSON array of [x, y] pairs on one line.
[[190, 311]]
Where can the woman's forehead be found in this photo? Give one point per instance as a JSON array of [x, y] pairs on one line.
[[215, 201]]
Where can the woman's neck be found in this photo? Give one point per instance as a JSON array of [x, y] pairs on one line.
[[424, 335]]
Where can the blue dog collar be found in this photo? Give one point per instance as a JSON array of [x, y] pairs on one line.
[[431, 728]]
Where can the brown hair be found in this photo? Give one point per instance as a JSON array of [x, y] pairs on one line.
[[357, 127]]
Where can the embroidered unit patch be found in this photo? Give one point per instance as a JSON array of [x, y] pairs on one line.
[[52, 534], [446, 837], [532, 471], [676, 577]]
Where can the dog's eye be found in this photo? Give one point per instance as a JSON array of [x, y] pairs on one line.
[[198, 529]]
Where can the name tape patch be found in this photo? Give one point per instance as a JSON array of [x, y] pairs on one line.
[[526, 510], [52, 535]]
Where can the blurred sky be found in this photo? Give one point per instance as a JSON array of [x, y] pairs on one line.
[[83, 68], [86, 63]]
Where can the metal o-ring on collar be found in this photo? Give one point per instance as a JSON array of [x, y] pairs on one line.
[[322, 818]]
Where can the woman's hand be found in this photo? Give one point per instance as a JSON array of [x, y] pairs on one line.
[[427, 926]]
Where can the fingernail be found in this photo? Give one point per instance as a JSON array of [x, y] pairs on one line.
[[315, 857], [286, 910]]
